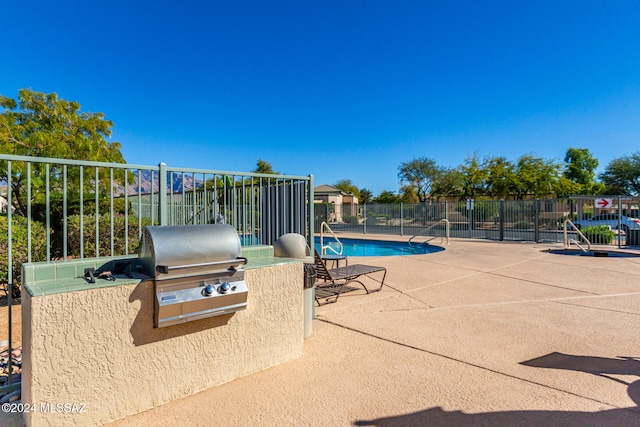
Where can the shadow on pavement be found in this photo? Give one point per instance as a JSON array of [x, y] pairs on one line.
[[600, 366], [439, 417]]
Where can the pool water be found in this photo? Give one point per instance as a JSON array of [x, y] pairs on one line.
[[361, 247], [248, 240]]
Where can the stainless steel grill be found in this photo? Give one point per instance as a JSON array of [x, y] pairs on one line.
[[196, 269]]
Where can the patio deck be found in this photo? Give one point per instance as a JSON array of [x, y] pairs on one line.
[[482, 333]]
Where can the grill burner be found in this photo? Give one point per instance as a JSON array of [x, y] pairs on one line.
[[196, 269]]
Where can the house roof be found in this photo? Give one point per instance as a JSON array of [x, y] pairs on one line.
[[327, 189]]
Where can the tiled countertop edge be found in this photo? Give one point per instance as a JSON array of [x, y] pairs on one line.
[[47, 278]]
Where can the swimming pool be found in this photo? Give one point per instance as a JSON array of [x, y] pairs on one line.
[[362, 247]]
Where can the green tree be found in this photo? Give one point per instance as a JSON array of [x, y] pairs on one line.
[[408, 194], [262, 166], [565, 187], [500, 177], [366, 196], [473, 178], [535, 177], [387, 197], [448, 184], [347, 186], [580, 167], [43, 125], [622, 175], [419, 173]]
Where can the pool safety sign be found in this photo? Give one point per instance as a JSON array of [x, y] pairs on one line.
[[603, 203]]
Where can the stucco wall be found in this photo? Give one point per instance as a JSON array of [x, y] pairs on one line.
[[98, 348]]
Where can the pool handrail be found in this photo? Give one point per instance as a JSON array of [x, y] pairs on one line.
[[323, 248], [568, 241], [446, 236]]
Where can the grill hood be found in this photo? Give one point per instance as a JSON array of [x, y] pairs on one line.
[[184, 250]]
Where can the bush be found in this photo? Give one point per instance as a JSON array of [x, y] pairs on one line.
[[486, 209], [56, 219], [599, 234], [104, 234], [523, 225], [348, 219], [39, 212], [20, 248], [374, 218]]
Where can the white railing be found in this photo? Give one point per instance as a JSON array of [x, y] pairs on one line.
[[446, 236], [323, 248], [568, 241]]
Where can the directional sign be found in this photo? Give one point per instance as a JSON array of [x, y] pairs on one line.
[[603, 203]]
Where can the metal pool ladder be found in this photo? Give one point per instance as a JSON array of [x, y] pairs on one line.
[[568, 241], [446, 236], [323, 248]]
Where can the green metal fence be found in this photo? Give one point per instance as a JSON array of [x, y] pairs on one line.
[[57, 209]]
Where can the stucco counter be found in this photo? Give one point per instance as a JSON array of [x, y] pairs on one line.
[[94, 345]]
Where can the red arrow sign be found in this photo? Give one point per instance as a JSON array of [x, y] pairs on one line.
[[603, 203]]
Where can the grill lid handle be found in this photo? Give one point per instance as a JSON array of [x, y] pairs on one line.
[[164, 269]]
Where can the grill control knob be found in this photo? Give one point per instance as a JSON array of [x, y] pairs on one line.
[[208, 290], [224, 288]]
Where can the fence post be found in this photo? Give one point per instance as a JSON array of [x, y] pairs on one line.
[[10, 273], [163, 218], [401, 220], [312, 218], [365, 219], [620, 224], [501, 220], [536, 209], [446, 210]]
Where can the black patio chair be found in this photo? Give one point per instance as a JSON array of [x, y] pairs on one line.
[[336, 279]]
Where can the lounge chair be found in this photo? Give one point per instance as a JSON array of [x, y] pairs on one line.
[[335, 279]]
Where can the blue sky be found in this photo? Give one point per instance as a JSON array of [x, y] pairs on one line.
[[337, 89]]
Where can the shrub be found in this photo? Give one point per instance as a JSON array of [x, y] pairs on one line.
[[20, 248], [522, 225], [56, 212], [348, 219], [38, 208], [485, 209], [599, 234], [376, 218], [104, 234]]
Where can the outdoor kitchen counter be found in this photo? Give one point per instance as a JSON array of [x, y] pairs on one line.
[[269, 262], [46, 278], [94, 344]]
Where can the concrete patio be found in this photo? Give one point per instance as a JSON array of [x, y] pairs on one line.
[[483, 333]]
